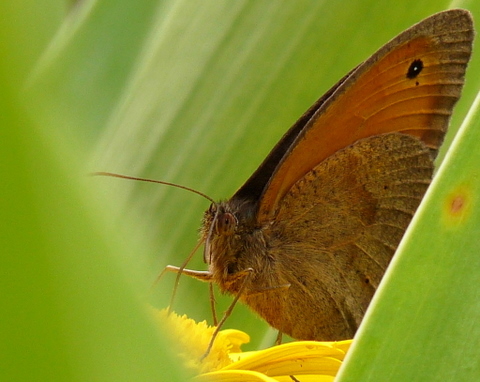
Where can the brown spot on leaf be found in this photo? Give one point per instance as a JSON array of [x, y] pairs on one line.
[[458, 205]]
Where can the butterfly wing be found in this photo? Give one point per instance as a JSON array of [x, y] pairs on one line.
[[410, 86], [338, 191], [337, 229]]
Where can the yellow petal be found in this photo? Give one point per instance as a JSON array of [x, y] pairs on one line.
[[306, 378], [235, 338], [294, 358], [234, 376]]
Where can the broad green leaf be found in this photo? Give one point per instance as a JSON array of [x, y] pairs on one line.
[[70, 298]]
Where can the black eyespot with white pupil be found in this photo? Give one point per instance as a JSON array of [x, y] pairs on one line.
[[414, 69]]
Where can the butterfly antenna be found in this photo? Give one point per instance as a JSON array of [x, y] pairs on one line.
[[114, 175], [189, 257]]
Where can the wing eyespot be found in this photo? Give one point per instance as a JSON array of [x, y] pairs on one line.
[[415, 69]]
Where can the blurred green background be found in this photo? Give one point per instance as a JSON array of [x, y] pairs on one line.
[[195, 93]]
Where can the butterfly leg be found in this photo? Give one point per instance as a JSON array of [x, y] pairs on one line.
[[246, 274], [278, 341]]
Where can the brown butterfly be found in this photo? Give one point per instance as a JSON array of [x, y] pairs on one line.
[[307, 239]]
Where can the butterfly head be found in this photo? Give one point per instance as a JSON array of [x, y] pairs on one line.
[[226, 228], [219, 224]]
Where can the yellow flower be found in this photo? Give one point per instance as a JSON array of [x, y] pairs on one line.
[[305, 360]]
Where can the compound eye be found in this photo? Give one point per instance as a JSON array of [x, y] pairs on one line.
[[226, 223]]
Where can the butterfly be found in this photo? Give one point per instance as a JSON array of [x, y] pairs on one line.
[[306, 240]]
